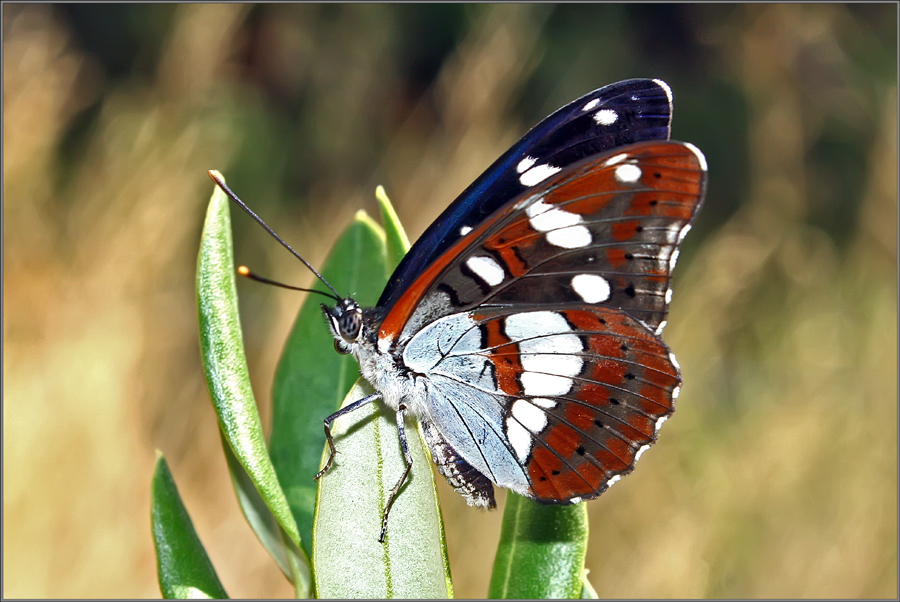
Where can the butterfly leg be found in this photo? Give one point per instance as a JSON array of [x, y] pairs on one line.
[[401, 429], [353, 406]]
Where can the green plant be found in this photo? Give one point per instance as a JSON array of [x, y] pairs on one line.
[[323, 535]]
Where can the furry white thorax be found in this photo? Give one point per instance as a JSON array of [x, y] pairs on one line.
[[383, 371]]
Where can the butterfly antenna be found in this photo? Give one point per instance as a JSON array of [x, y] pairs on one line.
[[217, 178], [246, 273]]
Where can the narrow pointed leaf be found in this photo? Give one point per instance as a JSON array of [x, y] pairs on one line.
[[225, 365], [349, 560], [396, 239], [183, 567], [312, 379], [289, 558], [541, 552]]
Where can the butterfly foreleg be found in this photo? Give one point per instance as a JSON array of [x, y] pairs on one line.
[[401, 429], [345, 410]]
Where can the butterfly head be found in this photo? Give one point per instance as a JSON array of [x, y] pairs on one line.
[[355, 332], [346, 323]]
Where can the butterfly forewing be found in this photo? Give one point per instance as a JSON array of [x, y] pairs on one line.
[[612, 116], [603, 233], [607, 233]]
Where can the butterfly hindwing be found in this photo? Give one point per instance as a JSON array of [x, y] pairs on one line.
[[468, 482], [553, 404], [593, 433], [612, 116]]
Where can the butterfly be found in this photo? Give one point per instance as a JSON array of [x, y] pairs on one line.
[[523, 328]]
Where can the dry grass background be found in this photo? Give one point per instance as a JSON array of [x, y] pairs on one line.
[[776, 478]]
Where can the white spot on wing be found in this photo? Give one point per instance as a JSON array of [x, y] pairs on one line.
[[575, 500], [525, 164], [606, 117], [628, 173], [659, 328], [543, 402], [673, 259], [665, 88], [486, 268], [684, 231], [465, 230], [519, 438], [662, 259], [537, 174], [562, 227], [531, 417], [613, 481], [615, 160], [591, 287], [659, 422], [590, 105], [573, 237], [538, 383], [640, 452], [544, 217], [673, 360], [672, 233], [548, 352], [668, 296], [701, 158]]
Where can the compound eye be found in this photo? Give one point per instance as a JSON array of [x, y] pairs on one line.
[[350, 323]]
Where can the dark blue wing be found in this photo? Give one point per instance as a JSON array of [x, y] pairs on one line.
[[622, 113]]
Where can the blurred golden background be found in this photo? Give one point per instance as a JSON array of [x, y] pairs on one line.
[[777, 477]]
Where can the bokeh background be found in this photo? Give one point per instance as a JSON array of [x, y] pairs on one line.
[[777, 477]]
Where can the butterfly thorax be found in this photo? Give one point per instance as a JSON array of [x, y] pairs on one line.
[[355, 331]]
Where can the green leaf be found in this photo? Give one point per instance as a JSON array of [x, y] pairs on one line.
[[312, 379], [184, 569], [541, 551], [349, 560], [289, 558], [227, 377], [310, 383], [397, 241]]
